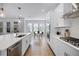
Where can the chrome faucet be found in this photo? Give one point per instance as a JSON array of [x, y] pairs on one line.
[[16, 34]]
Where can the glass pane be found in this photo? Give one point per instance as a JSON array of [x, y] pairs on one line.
[[1, 27], [41, 27], [8, 26], [1, 30], [35, 27], [16, 27], [30, 27]]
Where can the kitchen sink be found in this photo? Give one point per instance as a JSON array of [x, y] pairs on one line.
[[20, 36]]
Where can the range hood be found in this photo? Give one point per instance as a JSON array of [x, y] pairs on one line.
[[74, 13]]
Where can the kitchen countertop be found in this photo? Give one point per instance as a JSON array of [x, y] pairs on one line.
[[58, 37], [10, 39]]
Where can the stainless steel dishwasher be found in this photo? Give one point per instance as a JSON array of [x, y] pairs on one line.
[[15, 50]]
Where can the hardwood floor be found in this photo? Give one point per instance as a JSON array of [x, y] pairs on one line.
[[39, 47]]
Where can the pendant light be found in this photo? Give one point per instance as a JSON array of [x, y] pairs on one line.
[[19, 8], [1, 12]]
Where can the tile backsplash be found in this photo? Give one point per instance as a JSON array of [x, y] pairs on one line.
[[74, 28], [61, 30]]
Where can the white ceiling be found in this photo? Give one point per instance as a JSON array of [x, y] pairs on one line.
[[28, 10]]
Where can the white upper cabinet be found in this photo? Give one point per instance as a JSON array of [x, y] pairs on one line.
[[67, 7], [58, 15]]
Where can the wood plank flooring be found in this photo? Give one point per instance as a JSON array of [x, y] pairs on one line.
[[39, 47]]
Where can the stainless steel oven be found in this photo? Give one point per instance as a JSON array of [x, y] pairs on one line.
[[15, 50]]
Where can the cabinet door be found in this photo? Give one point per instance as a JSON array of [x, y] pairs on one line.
[[67, 7], [58, 15], [55, 47], [1, 27], [58, 47], [8, 27], [16, 27], [55, 18], [24, 45], [70, 51], [59, 12]]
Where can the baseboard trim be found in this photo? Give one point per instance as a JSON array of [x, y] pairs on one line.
[[26, 50], [51, 49]]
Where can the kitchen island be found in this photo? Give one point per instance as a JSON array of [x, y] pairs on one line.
[[10, 39]]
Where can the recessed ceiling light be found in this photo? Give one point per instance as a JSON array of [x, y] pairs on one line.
[[19, 21]]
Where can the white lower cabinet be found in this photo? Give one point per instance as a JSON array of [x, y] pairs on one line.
[[25, 43], [70, 51], [3, 52], [62, 49], [57, 47]]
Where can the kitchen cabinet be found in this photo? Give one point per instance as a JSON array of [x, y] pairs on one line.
[[57, 47], [8, 27], [11, 25], [25, 43], [58, 15], [3, 52], [1, 27], [70, 51], [16, 27], [61, 48], [59, 21], [15, 49], [67, 8]]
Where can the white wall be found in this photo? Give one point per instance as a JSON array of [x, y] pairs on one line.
[[56, 18], [75, 27], [53, 20]]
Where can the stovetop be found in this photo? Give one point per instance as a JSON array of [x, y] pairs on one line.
[[71, 40]]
